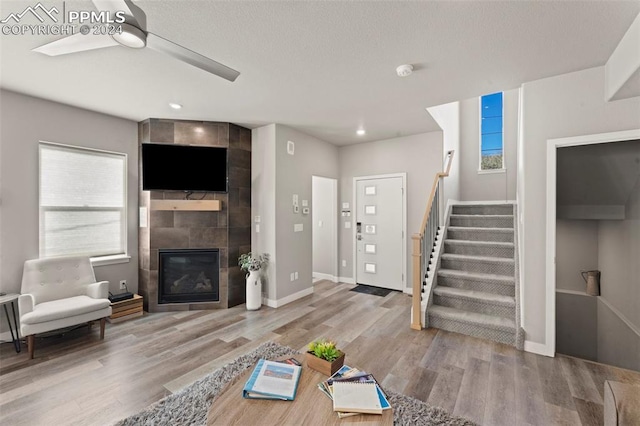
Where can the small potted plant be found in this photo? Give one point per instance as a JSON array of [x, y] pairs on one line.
[[252, 263], [323, 356]]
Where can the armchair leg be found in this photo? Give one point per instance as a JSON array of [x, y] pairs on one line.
[[103, 322], [31, 345]]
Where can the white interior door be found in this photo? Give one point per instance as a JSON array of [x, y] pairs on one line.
[[379, 232]]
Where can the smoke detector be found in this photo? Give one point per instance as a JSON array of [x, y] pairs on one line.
[[404, 70]]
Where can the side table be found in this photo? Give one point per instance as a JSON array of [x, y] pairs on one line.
[[4, 300]]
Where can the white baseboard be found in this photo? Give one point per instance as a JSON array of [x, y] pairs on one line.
[[347, 280], [321, 276], [273, 303], [538, 348]]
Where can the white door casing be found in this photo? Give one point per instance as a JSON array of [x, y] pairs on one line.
[[379, 231]]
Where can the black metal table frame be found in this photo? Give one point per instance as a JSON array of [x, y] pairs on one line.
[[16, 338]]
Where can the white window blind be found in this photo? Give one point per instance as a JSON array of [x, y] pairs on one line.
[[82, 201]]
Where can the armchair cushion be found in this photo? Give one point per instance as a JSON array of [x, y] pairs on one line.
[[63, 308]]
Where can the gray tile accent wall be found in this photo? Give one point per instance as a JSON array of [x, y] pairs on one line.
[[228, 230]]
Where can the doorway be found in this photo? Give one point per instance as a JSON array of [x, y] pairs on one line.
[[380, 219], [582, 228], [324, 230]]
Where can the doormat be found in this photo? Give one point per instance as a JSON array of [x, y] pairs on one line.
[[367, 289]]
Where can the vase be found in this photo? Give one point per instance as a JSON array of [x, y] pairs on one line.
[[323, 366], [254, 291]]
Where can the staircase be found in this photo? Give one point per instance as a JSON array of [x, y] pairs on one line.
[[474, 289]]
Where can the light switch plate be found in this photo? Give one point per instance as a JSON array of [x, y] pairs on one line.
[[295, 199], [345, 205], [257, 228], [297, 227], [291, 147], [305, 203], [256, 219]]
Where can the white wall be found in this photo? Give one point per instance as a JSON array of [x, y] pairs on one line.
[[27, 120], [448, 118], [324, 215], [420, 156], [263, 201], [494, 185], [562, 106]]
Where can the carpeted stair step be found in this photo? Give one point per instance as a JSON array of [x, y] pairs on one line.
[[497, 284], [475, 301], [473, 324], [484, 264], [482, 221], [483, 209], [479, 248], [480, 234]]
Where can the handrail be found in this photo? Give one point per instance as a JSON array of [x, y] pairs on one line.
[[418, 243]]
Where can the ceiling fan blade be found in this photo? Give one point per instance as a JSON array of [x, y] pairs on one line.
[[183, 54], [76, 43], [134, 15]]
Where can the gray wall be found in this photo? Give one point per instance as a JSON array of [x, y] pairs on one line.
[[487, 186], [420, 156], [576, 251], [27, 120], [293, 176], [617, 343], [324, 216], [577, 330], [618, 260], [562, 106], [276, 176]]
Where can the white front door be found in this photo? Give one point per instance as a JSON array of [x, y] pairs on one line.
[[379, 232]]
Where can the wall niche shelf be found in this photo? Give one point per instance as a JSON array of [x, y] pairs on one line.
[[192, 205]]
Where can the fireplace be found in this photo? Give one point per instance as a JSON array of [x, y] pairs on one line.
[[188, 275]]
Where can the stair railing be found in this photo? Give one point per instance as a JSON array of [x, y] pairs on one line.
[[424, 241]]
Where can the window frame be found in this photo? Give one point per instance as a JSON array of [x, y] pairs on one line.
[[503, 169], [96, 259]]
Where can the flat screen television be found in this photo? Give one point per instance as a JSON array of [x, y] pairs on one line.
[[170, 167]]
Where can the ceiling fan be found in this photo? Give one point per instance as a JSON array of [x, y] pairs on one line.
[[134, 35]]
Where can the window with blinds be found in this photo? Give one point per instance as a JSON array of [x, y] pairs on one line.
[[82, 201]]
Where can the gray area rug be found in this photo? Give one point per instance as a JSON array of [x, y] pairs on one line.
[[189, 406]]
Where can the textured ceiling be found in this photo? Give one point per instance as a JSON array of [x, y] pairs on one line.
[[600, 174], [324, 68]]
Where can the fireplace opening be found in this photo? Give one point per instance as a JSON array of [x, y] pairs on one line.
[[188, 275]]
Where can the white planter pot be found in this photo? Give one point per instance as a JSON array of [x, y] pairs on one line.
[[254, 291]]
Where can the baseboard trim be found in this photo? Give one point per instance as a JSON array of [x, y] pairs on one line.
[[347, 280], [288, 299], [538, 348], [322, 276]]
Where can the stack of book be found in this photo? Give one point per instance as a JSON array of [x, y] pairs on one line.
[[354, 392], [126, 309]]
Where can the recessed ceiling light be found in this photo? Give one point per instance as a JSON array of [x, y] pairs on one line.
[[360, 132], [175, 105]]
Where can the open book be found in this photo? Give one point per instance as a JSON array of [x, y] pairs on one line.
[[272, 380]]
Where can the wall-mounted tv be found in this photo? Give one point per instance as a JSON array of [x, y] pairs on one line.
[[170, 167]]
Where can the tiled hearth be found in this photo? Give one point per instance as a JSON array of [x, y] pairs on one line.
[[228, 230]]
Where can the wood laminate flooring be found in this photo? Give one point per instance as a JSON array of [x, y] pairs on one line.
[[77, 379]]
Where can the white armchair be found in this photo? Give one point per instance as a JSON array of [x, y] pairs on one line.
[[60, 292]]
